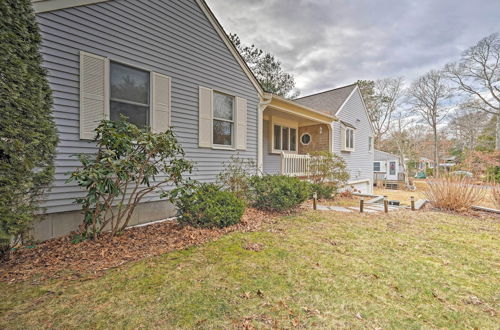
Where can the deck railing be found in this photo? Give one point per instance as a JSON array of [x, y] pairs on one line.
[[295, 164]]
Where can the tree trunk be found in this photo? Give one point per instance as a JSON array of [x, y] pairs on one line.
[[436, 153], [497, 132]]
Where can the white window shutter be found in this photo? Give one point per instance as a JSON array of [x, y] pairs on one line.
[[94, 96], [241, 123], [161, 103], [205, 134]]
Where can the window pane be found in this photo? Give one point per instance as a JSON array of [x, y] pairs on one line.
[[129, 84], [136, 114], [285, 138], [277, 137], [392, 168], [223, 106], [293, 139], [223, 131], [376, 167]]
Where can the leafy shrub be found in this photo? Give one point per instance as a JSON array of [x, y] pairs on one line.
[[454, 193], [130, 163], [236, 177], [279, 193], [429, 172], [28, 137], [328, 173], [208, 206], [323, 191]]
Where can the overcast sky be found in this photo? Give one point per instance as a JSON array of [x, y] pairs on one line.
[[329, 43]]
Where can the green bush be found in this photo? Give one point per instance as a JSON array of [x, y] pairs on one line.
[[207, 206], [323, 190], [279, 193], [130, 164], [28, 136], [328, 174]]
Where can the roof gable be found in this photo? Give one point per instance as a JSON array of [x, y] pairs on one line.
[[41, 6], [328, 101]]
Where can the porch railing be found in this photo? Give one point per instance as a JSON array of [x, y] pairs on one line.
[[295, 164]]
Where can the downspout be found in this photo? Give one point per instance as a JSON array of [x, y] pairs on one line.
[[265, 99]]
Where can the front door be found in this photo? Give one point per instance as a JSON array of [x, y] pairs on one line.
[[392, 175]]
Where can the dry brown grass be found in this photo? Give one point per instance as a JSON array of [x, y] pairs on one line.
[[454, 193], [495, 195]]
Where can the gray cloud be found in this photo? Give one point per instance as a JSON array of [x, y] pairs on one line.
[[327, 43]]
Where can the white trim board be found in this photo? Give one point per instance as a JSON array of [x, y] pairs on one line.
[[42, 6]]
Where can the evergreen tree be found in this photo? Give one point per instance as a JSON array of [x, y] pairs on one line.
[[28, 136], [267, 69]]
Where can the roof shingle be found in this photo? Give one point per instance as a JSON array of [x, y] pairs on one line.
[[328, 101]]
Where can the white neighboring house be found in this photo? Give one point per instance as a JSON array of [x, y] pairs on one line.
[[386, 166], [335, 120]]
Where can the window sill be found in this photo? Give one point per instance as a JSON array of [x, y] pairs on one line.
[[347, 150], [221, 147]]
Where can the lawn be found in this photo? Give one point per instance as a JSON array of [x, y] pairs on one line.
[[315, 269]]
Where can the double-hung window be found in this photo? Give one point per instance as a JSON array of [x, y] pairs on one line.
[[376, 167], [285, 138], [223, 119], [348, 138], [130, 94]]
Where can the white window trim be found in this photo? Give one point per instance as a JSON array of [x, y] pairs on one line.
[[151, 91], [310, 140], [287, 124], [344, 142], [371, 144], [233, 131]]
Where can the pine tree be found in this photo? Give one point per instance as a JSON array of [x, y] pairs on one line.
[[28, 136]]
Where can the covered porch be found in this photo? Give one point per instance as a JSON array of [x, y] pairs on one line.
[[291, 132]]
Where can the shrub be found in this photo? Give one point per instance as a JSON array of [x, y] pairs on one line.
[[327, 173], [130, 163], [28, 137], [208, 206], [236, 177], [279, 193], [454, 193], [323, 191]]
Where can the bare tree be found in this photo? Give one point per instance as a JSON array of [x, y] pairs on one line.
[[477, 74], [381, 98], [466, 126], [427, 97]]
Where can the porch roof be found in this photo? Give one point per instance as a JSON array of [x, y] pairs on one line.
[[293, 108]]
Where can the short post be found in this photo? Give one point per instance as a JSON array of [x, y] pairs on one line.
[[412, 202], [361, 204], [315, 201], [386, 205]]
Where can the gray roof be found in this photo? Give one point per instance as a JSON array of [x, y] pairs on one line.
[[328, 101], [382, 156]]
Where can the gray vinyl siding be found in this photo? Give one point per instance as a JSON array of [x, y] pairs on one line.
[[360, 161], [170, 37], [272, 162]]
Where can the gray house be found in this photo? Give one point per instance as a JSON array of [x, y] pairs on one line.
[[162, 63], [170, 64], [349, 133]]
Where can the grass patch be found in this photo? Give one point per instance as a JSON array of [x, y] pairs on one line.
[[402, 270]]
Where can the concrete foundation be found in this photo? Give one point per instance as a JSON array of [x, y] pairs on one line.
[[59, 224]]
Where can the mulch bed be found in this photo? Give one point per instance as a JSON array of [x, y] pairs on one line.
[[60, 258]]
